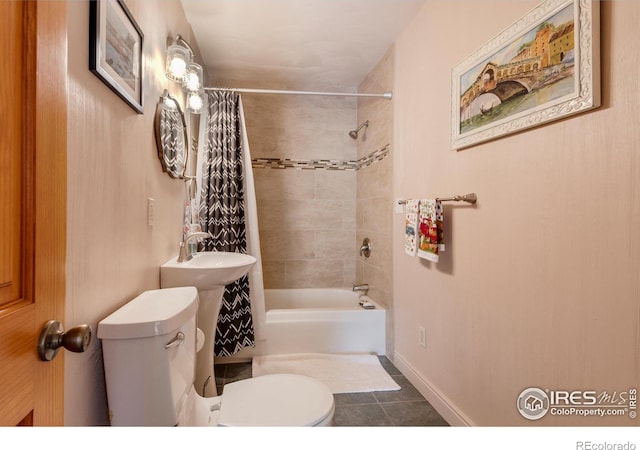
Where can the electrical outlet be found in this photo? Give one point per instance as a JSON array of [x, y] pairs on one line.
[[151, 211], [422, 337]]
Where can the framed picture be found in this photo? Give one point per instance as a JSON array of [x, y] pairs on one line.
[[544, 67], [115, 50]]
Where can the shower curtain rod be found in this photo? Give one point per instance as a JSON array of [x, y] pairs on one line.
[[387, 95]]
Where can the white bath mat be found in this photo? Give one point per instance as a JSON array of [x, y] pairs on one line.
[[341, 373]]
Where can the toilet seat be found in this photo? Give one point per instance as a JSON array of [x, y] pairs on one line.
[[276, 400]]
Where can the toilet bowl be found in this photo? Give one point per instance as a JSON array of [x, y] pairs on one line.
[[149, 350]]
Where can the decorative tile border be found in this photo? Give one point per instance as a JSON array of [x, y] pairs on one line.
[[376, 156], [324, 164]]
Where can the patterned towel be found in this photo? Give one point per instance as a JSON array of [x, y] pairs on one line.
[[411, 227], [430, 229]]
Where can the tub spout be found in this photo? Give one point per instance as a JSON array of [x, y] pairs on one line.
[[361, 288]]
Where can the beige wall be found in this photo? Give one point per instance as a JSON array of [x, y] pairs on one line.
[[540, 282], [112, 254], [374, 188], [306, 217]]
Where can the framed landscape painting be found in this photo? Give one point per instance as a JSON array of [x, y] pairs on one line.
[[542, 68], [115, 50]]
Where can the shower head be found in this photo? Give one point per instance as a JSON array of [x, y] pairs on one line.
[[354, 133]]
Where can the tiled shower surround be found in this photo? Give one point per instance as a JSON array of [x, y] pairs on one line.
[[307, 227], [333, 190], [306, 217]]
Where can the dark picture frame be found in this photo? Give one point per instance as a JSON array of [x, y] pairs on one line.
[[115, 50]]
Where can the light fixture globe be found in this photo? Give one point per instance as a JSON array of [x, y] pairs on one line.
[[178, 58], [193, 78], [195, 102]]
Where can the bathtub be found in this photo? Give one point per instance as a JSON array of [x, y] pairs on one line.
[[319, 321]]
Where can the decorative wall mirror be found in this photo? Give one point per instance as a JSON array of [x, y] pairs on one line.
[[171, 136]]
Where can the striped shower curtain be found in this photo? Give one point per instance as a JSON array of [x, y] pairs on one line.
[[222, 213]]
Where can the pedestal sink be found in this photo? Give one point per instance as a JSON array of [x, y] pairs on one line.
[[209, 272]]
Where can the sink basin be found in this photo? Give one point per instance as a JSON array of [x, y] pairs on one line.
[[206, 270]]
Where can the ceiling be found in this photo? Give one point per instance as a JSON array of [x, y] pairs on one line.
[[295, 44]]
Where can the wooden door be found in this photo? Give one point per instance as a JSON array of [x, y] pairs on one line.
[[33, 127]]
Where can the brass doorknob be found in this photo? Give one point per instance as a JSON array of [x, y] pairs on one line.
[[53, 336]]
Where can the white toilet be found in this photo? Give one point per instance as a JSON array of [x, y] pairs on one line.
[[149, 349]]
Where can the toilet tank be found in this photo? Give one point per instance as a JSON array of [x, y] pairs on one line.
[[149, 351]]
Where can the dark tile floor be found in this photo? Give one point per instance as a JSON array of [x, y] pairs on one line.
[[406, 407]]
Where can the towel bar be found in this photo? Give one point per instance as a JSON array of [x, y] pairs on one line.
[[469, 198]]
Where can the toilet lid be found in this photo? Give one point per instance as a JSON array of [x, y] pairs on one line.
[[275, 400]]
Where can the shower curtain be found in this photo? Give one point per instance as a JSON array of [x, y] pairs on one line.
[[224, 170], [256, 282]]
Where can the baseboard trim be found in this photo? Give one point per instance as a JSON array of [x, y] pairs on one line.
[[438, 400]]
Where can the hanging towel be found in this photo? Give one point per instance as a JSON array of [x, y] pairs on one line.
[[411, 227], [430, 229]]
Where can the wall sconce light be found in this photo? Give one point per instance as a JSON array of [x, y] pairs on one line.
[[180, 65], [177, 59], [182, 68]]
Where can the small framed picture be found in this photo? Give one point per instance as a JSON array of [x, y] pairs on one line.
[[115, 50]]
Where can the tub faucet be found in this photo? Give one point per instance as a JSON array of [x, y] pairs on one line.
[[361, 288], [185, 254], [365, 248]]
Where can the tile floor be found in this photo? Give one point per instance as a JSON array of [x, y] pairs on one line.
[[406, 407]]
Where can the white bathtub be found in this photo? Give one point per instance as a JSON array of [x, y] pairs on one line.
[[319, 321]]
